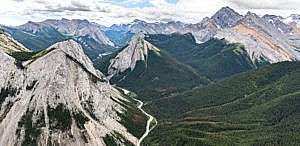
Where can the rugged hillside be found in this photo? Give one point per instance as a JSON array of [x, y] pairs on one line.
[[260, 107], [56, 97], [215, 58], [40, 35], [149, 71], [269, 38], [262, 40]]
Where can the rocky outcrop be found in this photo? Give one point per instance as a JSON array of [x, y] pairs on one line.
[[262, 40], [136, 50], [58, 98]]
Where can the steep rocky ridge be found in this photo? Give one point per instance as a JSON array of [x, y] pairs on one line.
[[262, 40], [137, 50], [59, 98]]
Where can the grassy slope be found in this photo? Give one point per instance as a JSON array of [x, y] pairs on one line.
[[215, 58], [260, 107]]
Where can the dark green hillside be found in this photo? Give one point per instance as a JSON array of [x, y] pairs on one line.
[[260, 107], [160, 75], [175, 44], [215, 58]]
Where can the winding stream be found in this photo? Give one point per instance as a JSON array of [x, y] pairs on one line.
[[150, 119]]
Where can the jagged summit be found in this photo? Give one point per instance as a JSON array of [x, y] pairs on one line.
[[59, 98], [226, 17], [74, 50], [136, 50]]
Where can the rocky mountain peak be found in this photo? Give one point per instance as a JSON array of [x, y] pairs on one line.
[[226, 17], [75, 51], [58, 98], [295, 16], [136, 50], [273, 17], [251, 18], [32, 26], [293, 20], [75, 28]]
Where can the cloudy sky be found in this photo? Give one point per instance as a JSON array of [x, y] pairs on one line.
[[107, 12]]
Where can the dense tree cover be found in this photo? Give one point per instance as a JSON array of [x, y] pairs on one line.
[[259, 107], [215, 58], [158, 76]]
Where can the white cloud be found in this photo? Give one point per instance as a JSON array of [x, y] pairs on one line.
[[15, 12]]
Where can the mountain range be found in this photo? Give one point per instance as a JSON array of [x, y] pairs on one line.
[[230, 79], [275, 37]]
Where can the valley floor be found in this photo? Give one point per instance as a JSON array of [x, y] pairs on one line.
[[151, 120]]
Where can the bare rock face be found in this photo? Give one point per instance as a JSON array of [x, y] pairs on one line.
[[202, 31], [137, 50], [58, 99], [262, 39], [73, 28], [8, 44], [293, 19], [226, 17]]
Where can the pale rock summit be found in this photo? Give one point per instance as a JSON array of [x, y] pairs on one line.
[[58, 98], [136, 50]]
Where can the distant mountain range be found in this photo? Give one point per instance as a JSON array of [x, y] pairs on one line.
[[39, 35], [269, 38]]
